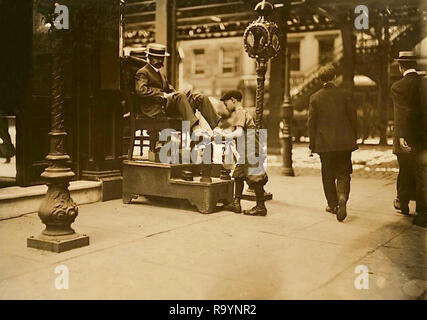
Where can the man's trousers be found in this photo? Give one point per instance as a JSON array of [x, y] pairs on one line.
[[406, 178], [336, 175], [185, 105], [421, 182]]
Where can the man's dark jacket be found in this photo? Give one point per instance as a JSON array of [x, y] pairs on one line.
[[150, 86], [410, 113], [332, 120]]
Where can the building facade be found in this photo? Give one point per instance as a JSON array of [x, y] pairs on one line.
[[213, 66]]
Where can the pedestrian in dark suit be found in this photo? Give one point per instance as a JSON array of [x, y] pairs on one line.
[[159, 98], [406, 179], [332, 125], [410, 133]]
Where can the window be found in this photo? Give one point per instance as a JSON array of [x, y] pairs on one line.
[[230, 60], [199, 61], [294, 49], [326, 50]]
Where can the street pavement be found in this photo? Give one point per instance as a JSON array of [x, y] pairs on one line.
[[170, 251]]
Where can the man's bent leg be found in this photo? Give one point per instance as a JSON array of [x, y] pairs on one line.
[[179, 102], [203, 104]]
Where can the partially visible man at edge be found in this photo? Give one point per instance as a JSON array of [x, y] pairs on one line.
[[409, 96]]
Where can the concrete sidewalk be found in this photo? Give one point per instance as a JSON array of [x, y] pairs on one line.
[[142, 251]]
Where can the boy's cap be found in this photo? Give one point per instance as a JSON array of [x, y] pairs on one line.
[[406, 56], [236, 94]]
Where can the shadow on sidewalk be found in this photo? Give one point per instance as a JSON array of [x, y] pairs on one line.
[[397, 260]]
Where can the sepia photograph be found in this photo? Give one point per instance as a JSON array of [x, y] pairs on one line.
[[213, 154]]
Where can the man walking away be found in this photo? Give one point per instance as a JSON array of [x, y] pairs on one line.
[[332, 125]]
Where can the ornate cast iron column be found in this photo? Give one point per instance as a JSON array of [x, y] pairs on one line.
[[286, 122], [57, 210], [261, 40]]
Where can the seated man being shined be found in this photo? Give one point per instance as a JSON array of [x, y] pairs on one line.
[[159, 98]]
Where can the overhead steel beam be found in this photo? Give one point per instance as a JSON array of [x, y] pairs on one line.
[[139, 25], [224, 18], [368, 3], [137, 3], [139, 14], [141, 20], [210, 6]]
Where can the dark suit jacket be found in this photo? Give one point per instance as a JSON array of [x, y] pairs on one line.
[[332, 120], [150, 86], [409, 99]]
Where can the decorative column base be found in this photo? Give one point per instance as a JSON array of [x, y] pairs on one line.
[[58, 244], [58, 211]]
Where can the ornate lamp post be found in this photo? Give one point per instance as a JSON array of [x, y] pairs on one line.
[[261, 40], [57, 210], [262, 43]]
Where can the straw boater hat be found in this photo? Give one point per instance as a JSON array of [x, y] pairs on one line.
[[156, 49], [406, 56]]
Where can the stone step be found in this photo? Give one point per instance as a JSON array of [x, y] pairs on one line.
[[17, 201]]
